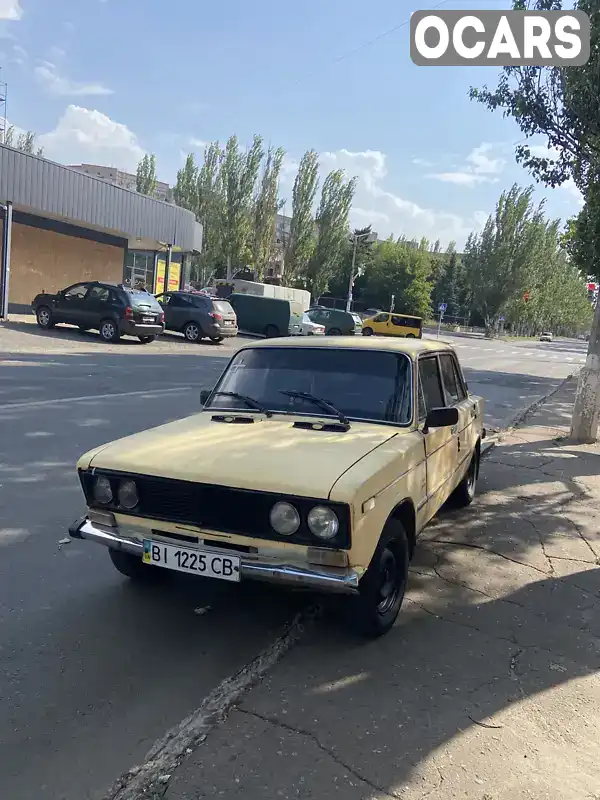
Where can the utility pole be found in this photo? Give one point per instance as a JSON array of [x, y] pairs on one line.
[[369, 237], [586, 410]]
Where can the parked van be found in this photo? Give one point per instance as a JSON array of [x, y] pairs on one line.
[[268, 316], [336, 322], [299, 299]]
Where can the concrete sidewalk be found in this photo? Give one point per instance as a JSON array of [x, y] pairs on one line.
[[488, 686]]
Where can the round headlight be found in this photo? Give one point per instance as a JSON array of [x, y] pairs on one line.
[[284, 518], [102, 490], [128, 496], [323, 522]]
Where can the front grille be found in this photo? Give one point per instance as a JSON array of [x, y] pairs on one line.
[[218, 508]]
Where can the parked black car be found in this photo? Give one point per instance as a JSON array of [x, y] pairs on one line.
[[113, 309], [198, 315]]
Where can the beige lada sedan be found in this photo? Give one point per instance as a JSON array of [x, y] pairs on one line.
[[314, 462]]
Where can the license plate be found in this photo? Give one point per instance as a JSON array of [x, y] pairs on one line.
[[195, 562], [147, 319], [227, 322]]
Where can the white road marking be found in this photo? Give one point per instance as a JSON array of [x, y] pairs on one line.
[[65, 400]]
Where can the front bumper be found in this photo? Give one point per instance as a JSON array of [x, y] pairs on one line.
[[336, 580]]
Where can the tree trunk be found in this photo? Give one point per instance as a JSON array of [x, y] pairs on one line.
[[586, 411]]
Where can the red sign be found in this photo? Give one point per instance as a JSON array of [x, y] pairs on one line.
[[592, 287], [526, 297]]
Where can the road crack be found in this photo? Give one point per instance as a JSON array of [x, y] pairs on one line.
[[551, 571], [277, 723], [450, 543]]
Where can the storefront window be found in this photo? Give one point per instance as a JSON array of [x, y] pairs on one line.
[[139, 269]]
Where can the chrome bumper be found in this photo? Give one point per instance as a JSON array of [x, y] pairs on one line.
[[324, 579]]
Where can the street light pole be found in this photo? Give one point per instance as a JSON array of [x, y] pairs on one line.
[[371, 237]]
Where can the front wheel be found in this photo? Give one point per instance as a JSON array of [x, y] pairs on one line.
[[192, 332], [44, 317], [146, 339], [335, 332], [367, 332], [464, 493], [133, 567], [410, 336], [381, 590], [109, 332]]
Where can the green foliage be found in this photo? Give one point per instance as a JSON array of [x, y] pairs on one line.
[[25, 141], [332, 230], [400, 269], [146, 175], [210, 194], [266, 207], [340, 278], [302, 241], [185, 192]]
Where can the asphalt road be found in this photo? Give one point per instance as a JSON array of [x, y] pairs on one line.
[[93, 670]]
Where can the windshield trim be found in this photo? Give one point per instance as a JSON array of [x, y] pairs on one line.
[[410, 423]]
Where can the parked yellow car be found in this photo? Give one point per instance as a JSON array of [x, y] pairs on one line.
[[389, 324], [314, 462]]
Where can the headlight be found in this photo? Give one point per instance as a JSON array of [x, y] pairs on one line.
[[128, 496], [323, 522], [102, 490], [284, 519]]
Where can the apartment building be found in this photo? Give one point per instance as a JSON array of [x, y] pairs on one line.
[[125, 180]]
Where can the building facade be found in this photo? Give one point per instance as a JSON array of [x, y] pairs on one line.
[[123, 179], [59, 226]]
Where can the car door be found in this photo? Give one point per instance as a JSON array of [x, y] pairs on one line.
[[441, 444], [181, 311], [456, 395], [97, 306], [70, 304], [165, 303], [380, 324]]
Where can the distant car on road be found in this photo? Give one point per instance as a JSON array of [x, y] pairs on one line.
[[326, 489], [388, 324], [113, 309], [198, 316], [335, 321], [546, 337], [304, 326]]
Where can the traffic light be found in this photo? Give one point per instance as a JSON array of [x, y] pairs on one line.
[[591, 291]]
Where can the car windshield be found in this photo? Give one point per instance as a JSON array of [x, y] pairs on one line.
[[362, 384]]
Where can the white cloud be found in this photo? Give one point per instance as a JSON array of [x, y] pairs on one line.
[[390, 212], [47, 74], [199, 144], [480, 167], [422, 162], [10, 9], [84, 135]]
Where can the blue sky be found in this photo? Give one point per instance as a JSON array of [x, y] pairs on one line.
[[104, 81]]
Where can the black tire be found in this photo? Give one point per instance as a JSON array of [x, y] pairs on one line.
[[216, 339], [109, 331], [146, 339], [381, 590], [43, 316], [133, 567], [410, 336], [334, 332], [271, 331], [367, 332], [464, 493], [192, 332]]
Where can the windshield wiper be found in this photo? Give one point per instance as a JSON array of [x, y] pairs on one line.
[[248, 400], [318, 401]]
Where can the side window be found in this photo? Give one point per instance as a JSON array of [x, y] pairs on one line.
[[99, 293], [177, 301], [450, 381], [381, 318], [460, 381], [164, 299], [79, 291], [429, 378]]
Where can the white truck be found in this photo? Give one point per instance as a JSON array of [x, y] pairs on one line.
[[299, 299]]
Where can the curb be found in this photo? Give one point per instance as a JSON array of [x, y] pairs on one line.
[[521, 416]]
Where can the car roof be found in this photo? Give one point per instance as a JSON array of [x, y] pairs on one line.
[[411, 347]]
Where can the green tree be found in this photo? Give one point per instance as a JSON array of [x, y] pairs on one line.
[[400, 269], [25, 142], [239, 175], [211, 209], [145, 178], [332, 230], [302, 239], [266, 207], [340, 278], [185, 192]]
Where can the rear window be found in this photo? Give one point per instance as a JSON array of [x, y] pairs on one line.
[[139, 298], [223, 307]]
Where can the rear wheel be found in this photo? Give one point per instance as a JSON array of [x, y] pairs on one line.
[[271, 331], [216, 339], [464, 493], [192, 332], [367, 331], [109, 332], [335, 332], [410, 336], [381, 590], [133, 567], [146, 339], [44, 317]]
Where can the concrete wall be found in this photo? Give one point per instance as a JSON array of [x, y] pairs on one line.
[[44, 259]]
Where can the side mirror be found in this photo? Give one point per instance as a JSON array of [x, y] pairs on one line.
[[441, 418], [204, 395]]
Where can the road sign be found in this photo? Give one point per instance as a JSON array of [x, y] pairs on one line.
[[501, 319], [442, 307]]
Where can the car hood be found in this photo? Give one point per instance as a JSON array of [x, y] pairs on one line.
[[268, 455]]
